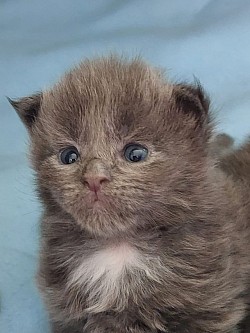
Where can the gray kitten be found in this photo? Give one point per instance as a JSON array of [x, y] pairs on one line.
[[141, 232]]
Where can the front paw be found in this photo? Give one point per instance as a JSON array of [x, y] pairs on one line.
[[113, 326], [61, 327]]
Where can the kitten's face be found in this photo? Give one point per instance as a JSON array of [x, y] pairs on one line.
[[122, 127]]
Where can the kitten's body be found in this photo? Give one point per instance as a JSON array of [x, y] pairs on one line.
[[165, 247], [235, 163]]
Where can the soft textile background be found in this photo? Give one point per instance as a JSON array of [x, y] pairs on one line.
[[40, 39]]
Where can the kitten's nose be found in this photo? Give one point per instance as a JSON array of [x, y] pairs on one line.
[[95, 183], [96, 174]]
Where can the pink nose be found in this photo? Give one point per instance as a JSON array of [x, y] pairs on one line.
[[95, 183]]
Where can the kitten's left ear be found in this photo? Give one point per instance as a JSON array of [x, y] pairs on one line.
[[27, 108], [192, 101]]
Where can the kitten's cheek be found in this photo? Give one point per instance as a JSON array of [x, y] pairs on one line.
[[68, 200]]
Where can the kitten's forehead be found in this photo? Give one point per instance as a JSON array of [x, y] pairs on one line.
[[105, 97]]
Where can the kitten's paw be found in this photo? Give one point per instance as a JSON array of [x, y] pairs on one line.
[[57, 327]]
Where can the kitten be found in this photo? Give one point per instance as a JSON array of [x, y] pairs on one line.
[[141, 232], [236, 163]]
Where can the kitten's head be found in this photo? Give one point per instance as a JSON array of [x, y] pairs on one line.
[[117, 147]]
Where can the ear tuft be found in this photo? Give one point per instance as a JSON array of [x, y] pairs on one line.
[[192, 100], [27, 108]]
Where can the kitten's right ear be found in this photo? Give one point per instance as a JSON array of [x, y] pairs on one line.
[[192, 101], [27, 108]]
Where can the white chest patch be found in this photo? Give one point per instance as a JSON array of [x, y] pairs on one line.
[[102, 275]]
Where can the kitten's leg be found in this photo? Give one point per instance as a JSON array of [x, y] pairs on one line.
[[103, 323], [244, 327], [60, 327], [100, 325], [236, 330]]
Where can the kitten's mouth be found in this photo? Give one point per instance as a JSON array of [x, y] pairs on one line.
[[94, 199]]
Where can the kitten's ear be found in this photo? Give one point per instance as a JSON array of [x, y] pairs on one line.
[[192, 101], [27, 108]]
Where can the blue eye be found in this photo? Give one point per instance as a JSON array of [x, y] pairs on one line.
[[135, 153], [69, 155]]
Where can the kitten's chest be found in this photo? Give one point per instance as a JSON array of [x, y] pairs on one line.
[[110, 276]]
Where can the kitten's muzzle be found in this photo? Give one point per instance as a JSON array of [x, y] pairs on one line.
[[96, 175]]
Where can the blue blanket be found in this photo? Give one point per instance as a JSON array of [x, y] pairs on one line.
[[208, 39]]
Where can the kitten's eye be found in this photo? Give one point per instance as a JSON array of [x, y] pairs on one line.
[[135, 153], [69, 155]]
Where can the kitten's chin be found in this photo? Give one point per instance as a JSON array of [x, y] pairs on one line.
[[101, 224], [103, 219], [100, 215]]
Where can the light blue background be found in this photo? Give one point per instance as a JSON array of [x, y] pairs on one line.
[[39, 39]]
